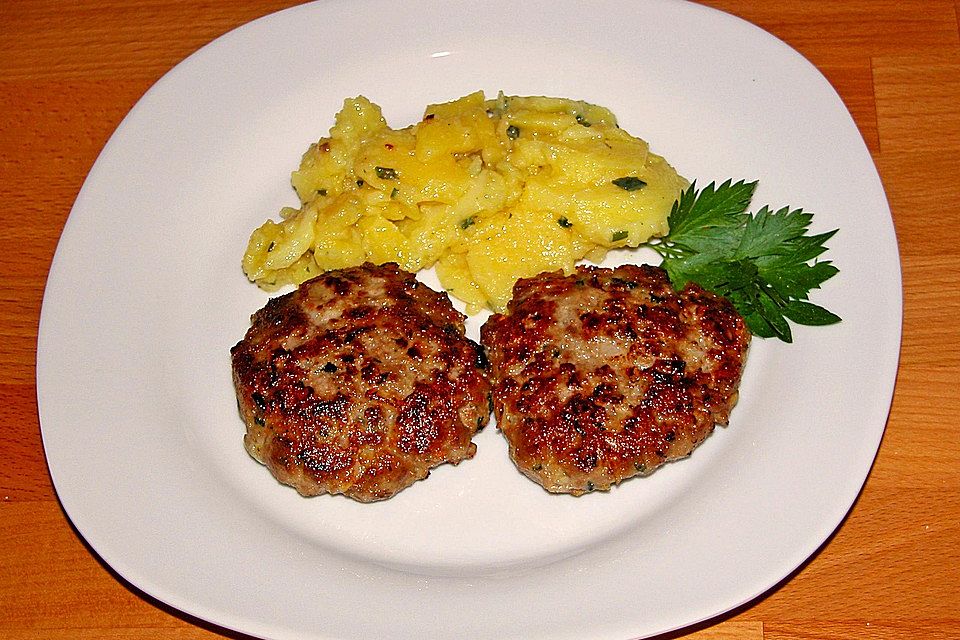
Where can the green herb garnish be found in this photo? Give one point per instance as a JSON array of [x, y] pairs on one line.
[[563, 222], [629, 183], [467, 222], [513, 132], [386, 173], [619, 235], [763, 263]]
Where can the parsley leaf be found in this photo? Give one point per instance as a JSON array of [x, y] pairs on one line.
[[698, 213], [765, 264], [707, 222]]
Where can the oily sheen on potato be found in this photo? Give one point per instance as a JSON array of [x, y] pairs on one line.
[[486, 191]]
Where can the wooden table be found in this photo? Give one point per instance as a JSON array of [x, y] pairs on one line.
[[69, 72]]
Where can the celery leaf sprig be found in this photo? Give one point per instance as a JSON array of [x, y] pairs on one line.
[[765, 264]]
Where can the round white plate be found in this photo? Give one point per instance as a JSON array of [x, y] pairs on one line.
[[146, 297]]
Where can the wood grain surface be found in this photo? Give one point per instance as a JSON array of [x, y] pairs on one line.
[[70, 71]]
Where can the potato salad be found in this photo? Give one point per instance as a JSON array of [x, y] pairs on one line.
[[485, 191]]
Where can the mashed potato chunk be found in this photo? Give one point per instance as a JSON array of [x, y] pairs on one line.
[[485, 190]]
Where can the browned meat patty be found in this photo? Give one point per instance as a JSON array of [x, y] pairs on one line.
[[608, 373], [359, 382]]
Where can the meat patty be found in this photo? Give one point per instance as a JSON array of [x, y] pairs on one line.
[[609, 373], [359, 383]]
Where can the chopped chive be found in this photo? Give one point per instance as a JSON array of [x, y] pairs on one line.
[[386, 173], [466, 222], [619, 235], [563, 222], [582, 121], [513, 132], [630, 183], [393, 194]]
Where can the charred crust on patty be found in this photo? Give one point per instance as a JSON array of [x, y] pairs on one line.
[[606, 374], [359, 383]]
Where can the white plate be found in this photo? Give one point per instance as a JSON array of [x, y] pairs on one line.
[[145, 298]]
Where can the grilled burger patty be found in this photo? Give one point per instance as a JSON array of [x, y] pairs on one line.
[[608, 373], [359, 382]]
